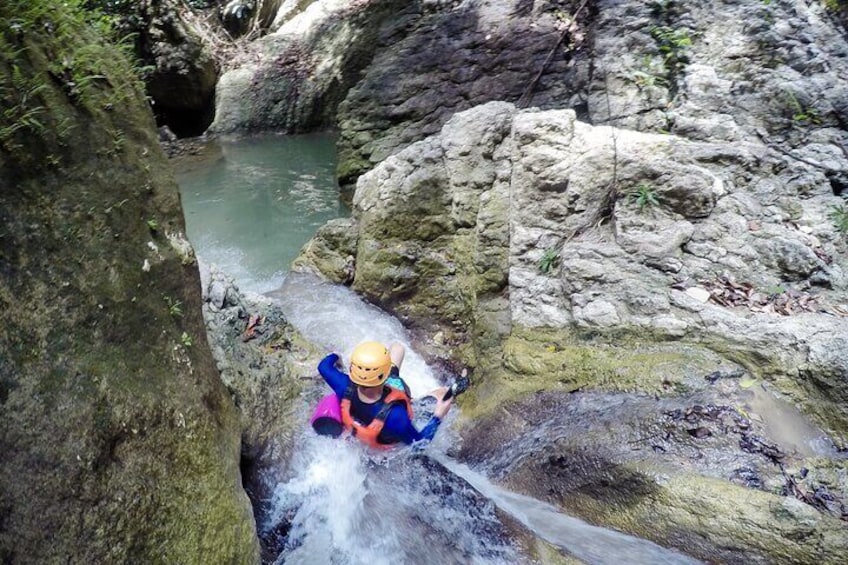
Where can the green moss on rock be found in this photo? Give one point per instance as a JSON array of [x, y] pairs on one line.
[[120, 442], [537, 359]]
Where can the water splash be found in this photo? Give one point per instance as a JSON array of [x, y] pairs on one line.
[[347, 505], [337, 319], [598, 546]]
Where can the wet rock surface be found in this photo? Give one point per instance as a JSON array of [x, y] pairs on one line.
[[265, 364], [119, 442], [614, 458]]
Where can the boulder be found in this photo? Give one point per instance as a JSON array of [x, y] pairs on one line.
[[558, 257], [264, 363], [304, 67], [120, 443]]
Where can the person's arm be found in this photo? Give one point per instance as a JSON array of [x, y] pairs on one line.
[[399, 425], [400, 428], [337, 380]]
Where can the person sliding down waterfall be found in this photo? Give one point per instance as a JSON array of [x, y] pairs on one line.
[[375, 402]]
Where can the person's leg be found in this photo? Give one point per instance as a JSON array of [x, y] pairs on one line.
[[396, 352]]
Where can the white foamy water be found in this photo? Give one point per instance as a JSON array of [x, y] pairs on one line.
[[348, 506], [598, 546], [334, 317]]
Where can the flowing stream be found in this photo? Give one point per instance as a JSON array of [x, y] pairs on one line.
[[250, 205]]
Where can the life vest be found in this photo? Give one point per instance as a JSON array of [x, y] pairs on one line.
[[368, 434]]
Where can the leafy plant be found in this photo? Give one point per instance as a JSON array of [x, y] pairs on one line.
[[775, 290], [671, 40], [21, 110], [152, 224], [800, 113], [672, 44], [644, 196], [651, 73], [174, 307], [839, 215], [809, 115], [186, 340], [549, 260]]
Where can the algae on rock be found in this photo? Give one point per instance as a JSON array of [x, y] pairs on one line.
[[120, 443]]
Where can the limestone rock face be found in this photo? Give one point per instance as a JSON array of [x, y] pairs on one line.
[[263, 362], [681, 67], [182, 70], [440, 58], [555, 207], [555, 255], [120, 443], [297, 75]]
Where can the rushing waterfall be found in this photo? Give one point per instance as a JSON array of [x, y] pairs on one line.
[[345, 505], [336, 502]]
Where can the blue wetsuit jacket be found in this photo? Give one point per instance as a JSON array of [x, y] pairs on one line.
[[398, 426]]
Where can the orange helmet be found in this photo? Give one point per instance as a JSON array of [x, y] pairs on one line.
[[370, 364]]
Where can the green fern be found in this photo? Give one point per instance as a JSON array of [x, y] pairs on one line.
[[839, 215], [549, 260], [644, 196]]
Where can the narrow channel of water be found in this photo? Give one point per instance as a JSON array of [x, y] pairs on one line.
[[345, 505], [250, 206]]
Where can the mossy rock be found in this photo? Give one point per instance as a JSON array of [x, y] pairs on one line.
[[531, 360], [120, 442]]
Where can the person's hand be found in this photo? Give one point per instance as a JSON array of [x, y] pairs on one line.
[[442, 406]]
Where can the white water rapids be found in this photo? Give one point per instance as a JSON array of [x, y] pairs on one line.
[[349, 506]]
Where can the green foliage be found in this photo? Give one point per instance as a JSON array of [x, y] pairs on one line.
[[672, 44], [21, 107], [549, 260], [86, 68], [800, 113], [174, 307], [186, 340], [644, 196], [775, 290], [152, 224], [671, 40], [51, 54], [839, 215], [836, 5], [651, 73]]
